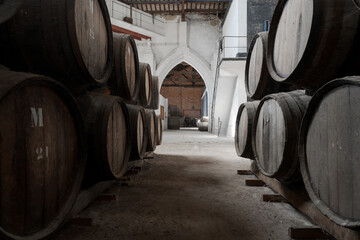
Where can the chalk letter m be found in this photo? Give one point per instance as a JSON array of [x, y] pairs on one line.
[[36, 117]]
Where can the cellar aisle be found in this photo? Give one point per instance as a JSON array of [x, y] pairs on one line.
[[189, 190]]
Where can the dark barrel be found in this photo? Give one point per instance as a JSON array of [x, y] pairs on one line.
[[155, 95], [138, 132], [124, 81], [145, 79], [151, 130], [158, 130], [311, 41], [42, 155], [329, 151], [243, 127], [174, 123], [258, 81], [109, 143], [8, 8], [275, 134], [70, 41]]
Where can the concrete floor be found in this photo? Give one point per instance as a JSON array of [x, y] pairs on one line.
[[190, 190]]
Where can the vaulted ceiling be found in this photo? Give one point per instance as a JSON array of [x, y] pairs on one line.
[[183, 75], [180, 7]]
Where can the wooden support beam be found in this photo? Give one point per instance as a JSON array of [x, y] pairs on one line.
[[244, 172], [308, 233], [190, 11], [183, 10], [135, 35], [300, 200], [274, 198], [254, 183]]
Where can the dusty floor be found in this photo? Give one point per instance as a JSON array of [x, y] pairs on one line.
[[190, 190]]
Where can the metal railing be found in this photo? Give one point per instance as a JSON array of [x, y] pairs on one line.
[[139, 18], [233, 47]]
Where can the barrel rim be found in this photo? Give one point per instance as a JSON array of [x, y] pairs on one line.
[[143, 68], [152, 115], [6, 14], [128, 142], [264, 71], [123, 88], [70, 15], [158, 129], [248, 150], [74, 109], [307, 120], [280, 172], [309, 49]]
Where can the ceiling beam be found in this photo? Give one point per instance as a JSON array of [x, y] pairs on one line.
[[191, 11]]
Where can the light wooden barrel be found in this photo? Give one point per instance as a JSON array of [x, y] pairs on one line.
[[329, 150], [311, 41], [243, 127], [159, 130], [145, 79], [8, 8], [42, 155], [124, 81], [68, 40], [151, 130], [138, 132], [154, 104], [258, 81], [275, 134], [107, 127]]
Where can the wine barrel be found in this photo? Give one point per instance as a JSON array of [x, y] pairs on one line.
[[42, 155], [329, 150], [275, 134], [68, 40], [107, 125], [124, 81], [258, 81], [155, 95], [8, 8], [145, 77], [151, 130], [174, 123], [138, 132], [159, 130], [310, 41], [243, 126]]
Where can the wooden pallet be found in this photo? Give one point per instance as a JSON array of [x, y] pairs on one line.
[[299, 199]]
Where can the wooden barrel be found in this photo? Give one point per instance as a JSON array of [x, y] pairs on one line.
[[173, 122], [68, 40], [145, 77], [8, 8], [310, 41], [243, 126], [329, 151], [138, 132], [258, 81], [124, 81], [107, 125], [275, 134], [42, 155], [151, 130], [159, 130], [155, 95]]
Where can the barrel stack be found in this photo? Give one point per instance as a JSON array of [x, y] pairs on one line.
[[308, 138], [68, 88]]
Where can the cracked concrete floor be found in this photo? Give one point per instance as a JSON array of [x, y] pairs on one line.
[[189, 190]]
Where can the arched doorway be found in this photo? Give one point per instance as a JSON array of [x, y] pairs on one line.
[[185, 90]]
